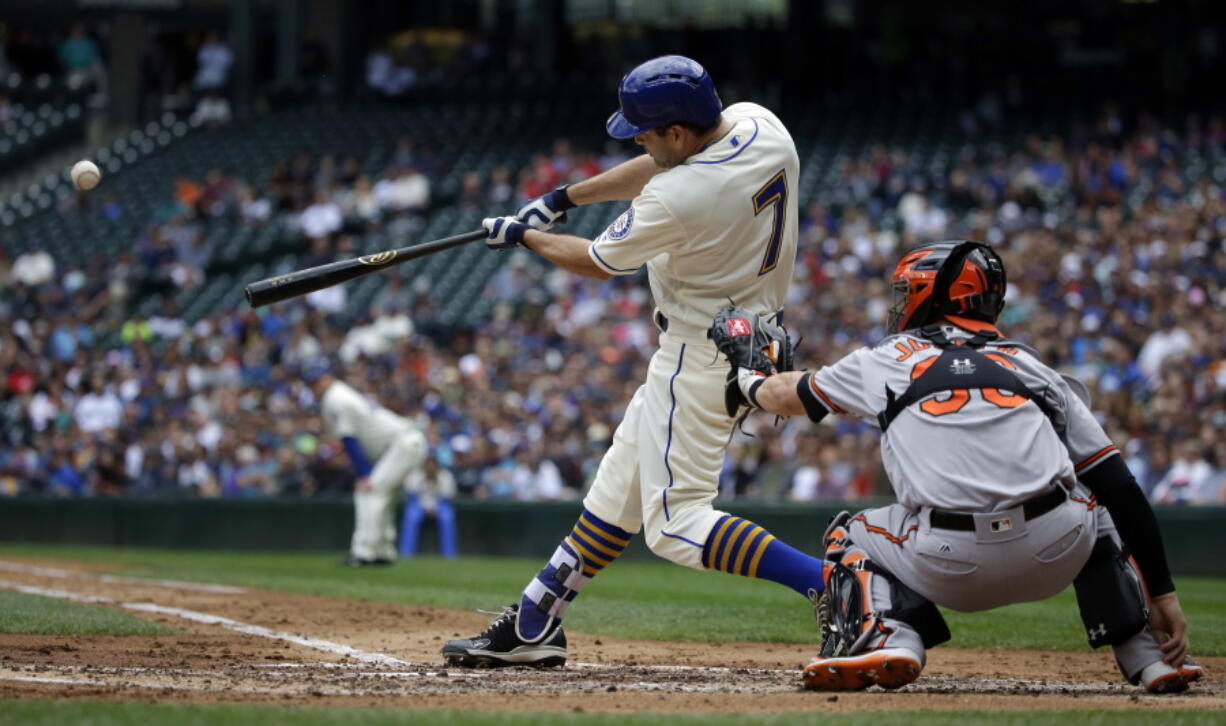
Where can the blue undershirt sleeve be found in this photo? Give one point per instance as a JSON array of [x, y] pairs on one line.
[[361, 464]]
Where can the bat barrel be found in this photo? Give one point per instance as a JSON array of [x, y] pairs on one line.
[[293, 284]]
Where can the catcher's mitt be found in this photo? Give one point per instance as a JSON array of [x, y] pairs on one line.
[[754, 348]]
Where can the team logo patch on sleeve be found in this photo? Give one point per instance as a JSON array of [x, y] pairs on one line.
[[621, 226], [739, 326]]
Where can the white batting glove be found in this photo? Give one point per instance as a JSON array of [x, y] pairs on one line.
[[504, 232], [545, 211]]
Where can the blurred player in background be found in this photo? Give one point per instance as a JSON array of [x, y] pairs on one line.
[[383, 448], [1008, 489], [429, 491], [713, 216]]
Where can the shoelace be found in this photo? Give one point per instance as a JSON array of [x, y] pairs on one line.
[[506, 615]]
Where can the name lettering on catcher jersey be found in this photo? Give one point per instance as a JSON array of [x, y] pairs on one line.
[[910, 347]]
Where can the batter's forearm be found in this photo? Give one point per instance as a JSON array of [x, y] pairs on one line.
[[621, 183], [777, 394], [566, 251]]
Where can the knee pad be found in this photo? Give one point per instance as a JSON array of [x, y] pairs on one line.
[[915, 610], [836, 539], [1110, 596]]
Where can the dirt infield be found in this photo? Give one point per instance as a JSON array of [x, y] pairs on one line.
[[253, 646]]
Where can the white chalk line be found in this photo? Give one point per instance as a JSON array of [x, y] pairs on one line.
[[353, 671], [206, 618], [173, 686], [64, 574]]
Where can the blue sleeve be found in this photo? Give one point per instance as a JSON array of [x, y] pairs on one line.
[[361, 464]]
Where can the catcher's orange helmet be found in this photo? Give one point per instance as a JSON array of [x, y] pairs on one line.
[[950, 278]]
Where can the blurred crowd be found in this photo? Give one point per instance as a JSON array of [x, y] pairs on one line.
[[1114, 241]]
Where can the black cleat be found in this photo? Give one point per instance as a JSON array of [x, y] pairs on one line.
[[499, 646]]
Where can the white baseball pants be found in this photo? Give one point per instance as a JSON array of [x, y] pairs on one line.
[[662, 471], [985, 569], [374, 511]]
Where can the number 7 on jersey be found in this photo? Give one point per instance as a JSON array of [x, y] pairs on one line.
[[774, 193]]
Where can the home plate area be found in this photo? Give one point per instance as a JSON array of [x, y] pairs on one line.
[[247, 645]]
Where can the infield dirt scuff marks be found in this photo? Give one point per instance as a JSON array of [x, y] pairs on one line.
[[207, 664]]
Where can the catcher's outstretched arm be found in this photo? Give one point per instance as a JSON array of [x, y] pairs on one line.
[[778, 394]]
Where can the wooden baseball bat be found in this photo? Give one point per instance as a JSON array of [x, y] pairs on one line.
[[293, 284]]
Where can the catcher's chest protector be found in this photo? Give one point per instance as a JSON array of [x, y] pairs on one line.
[[958, 367]]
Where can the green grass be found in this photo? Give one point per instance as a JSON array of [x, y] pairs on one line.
[[21, 613], [646, 600], [52, 713]]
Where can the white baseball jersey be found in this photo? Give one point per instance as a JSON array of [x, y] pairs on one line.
[[969, 450], [721, 226], [712, 228], [348, 413]]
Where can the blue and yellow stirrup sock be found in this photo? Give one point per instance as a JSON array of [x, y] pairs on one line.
[[740, 547], [590, 547]]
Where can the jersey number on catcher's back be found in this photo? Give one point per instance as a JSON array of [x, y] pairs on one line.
[[959, 397], [774, 193]]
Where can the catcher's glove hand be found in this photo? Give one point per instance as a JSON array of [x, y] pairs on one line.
[[754, 348]]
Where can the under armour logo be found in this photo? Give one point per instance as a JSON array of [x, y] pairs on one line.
[[1099, 632], [739, 326], [962, 367]]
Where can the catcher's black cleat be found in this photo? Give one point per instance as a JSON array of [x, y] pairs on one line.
[[499, 646]]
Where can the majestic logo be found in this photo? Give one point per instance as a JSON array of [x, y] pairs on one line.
[[962, 367], [945, 548], [378, 258], [739, 326], [621, 226], [1001, 525]]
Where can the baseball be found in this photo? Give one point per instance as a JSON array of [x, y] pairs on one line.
[[85, 175]]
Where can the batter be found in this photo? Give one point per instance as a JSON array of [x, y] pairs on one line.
[[712, 216]]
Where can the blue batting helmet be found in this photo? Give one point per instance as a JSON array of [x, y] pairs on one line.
[[664, 90]]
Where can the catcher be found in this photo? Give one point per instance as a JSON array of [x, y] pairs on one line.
[[1008, 488]]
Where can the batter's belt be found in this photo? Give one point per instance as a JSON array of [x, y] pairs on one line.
[[685, 330], [1031, 509]]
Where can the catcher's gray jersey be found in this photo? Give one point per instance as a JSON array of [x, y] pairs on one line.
[[971, 450]]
